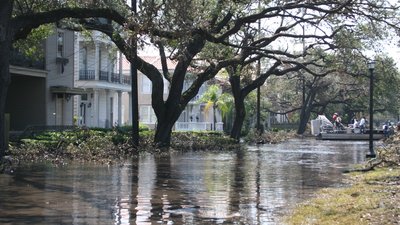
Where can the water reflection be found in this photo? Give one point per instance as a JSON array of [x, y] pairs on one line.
[[251, 187]]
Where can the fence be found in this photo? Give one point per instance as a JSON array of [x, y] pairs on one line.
[[197, 126]]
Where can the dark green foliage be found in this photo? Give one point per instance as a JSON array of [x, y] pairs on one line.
[[272, 136], [210, 141], [107, 145]]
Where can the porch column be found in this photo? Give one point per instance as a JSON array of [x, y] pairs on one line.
[[130, 107], [96, 108], [77, 56], [108, 110], [96, 60], [119, 108], [120, 74]]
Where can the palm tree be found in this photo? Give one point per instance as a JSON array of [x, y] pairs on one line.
[[214, 98]]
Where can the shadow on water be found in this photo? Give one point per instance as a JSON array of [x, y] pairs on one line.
[[255, 186]]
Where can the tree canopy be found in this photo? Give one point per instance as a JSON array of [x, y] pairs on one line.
[[210, 35], [207, 36]]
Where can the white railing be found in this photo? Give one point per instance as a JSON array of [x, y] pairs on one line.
[[197, 126], [219, 126]]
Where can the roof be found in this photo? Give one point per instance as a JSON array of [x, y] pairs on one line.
[[156, 61], [67, 90]]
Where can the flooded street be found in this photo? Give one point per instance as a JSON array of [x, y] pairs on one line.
[[255, 186]]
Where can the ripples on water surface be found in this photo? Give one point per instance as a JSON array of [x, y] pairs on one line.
[[250, 187]]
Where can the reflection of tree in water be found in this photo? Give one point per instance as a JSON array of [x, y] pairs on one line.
[[134, 186], [246, 189], [168, 198], [163, 183], [238, 182], [250, 187]]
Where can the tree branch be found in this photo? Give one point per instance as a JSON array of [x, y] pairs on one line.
[[24, 24]]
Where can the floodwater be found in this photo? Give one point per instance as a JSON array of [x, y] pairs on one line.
[[256, 186]]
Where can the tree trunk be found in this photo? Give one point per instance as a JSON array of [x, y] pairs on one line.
[[239, 106], [5, 46], [4, 83], [303, 122], [306, 112], [240, 114], [162, 137]]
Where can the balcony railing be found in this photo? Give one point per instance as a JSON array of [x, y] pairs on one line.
[[86, 75], [103, 75], [115, 77], [126, 79], [197, 126]]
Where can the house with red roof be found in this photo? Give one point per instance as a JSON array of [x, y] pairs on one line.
[[195, 116]]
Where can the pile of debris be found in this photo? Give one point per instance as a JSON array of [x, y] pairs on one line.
[[389, 152]]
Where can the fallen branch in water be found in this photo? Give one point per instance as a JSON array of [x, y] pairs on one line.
[[370, 166]]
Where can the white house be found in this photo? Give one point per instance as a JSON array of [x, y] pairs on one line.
[[104, 75], [85, 81]]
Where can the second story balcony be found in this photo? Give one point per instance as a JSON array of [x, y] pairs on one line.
[[103, 75], [126, 79], [86, 75], [104, 79], [115, 78]]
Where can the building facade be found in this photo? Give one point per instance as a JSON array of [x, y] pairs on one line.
[[76, 81], [60, 91], [195, 117], [104, 75], [84, 80], [26, 97]]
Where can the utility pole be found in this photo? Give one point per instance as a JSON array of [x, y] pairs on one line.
[[303, 78], [258, 124], [371, 67], [259, 129], [134, 86]]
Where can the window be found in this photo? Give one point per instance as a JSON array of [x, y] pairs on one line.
[[83, 59], [99, 60], [147, 115], [60, 44], [113, 67], [144, 114], [84, 97], [146, 85]]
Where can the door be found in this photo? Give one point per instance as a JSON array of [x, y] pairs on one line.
[[83, 114], [111, 111], [59, 109]]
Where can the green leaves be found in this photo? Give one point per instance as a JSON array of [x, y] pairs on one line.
[[214, 97], [32, 47]]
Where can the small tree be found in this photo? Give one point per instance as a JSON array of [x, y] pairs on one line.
[[214, 98]]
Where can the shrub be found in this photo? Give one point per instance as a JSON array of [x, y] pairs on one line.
[[106, 145], [204, 140]]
